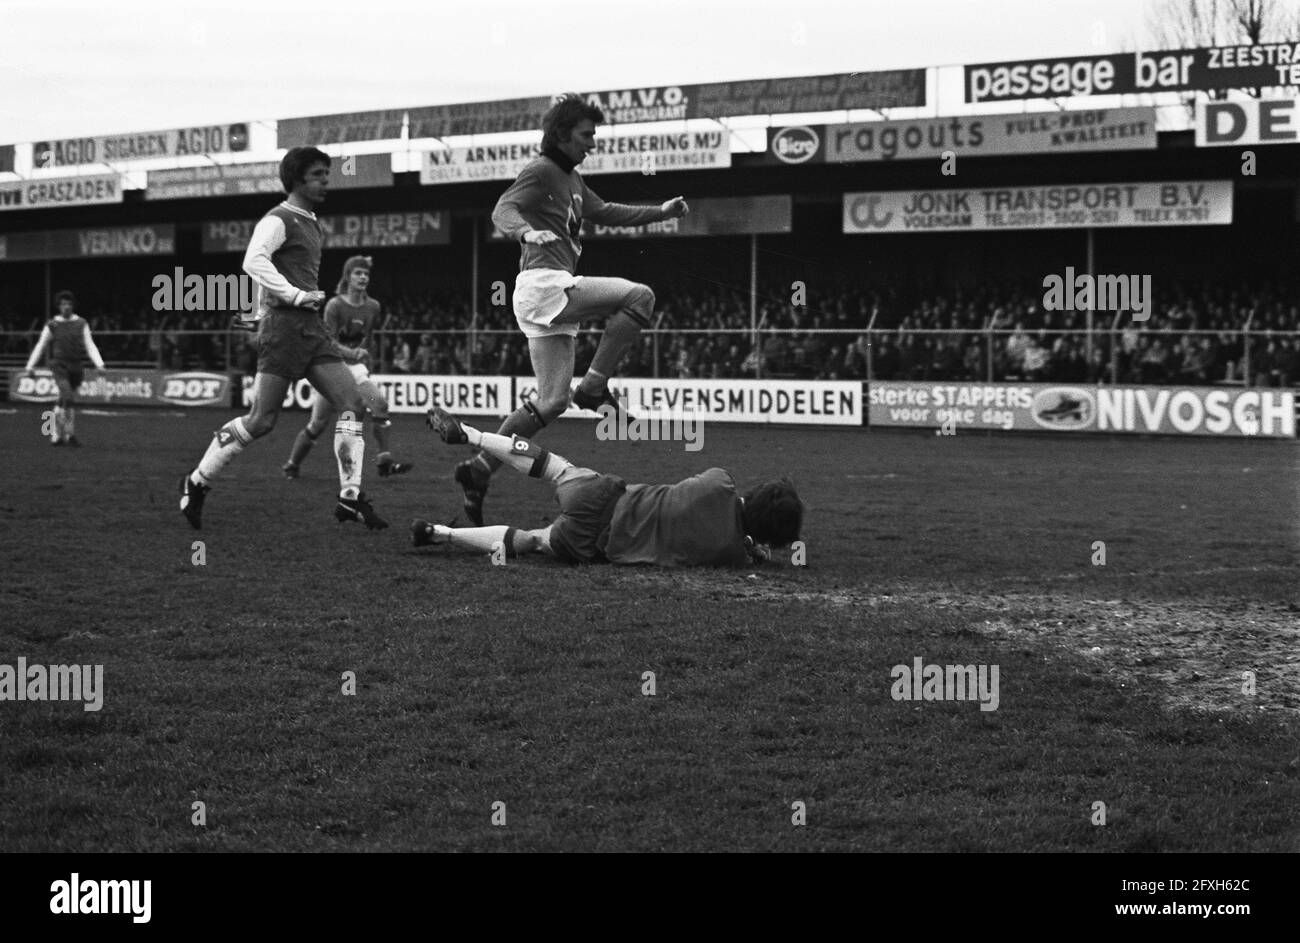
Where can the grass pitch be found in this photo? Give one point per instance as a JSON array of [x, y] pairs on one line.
[[523, 685]]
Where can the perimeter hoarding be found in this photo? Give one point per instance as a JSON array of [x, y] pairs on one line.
[[413, 393], [650, 153], [1202, 69], [890, 88], [802, 402], [1158, 410], [128, 388], [89, 243], [1257, 121], [1057, 132], [716, 216], [147, 145], [1060, 206], [352, 171], [353, 231], [45, 193]]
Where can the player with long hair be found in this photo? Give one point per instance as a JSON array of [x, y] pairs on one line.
[[543, 210], [350, 318]]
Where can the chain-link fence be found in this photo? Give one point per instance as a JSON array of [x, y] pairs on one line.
[[1125, 354]]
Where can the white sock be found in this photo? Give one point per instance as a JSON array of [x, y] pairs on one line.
[[58, 424], [228, 442], [475, 538], [70, 421], [350, 447]]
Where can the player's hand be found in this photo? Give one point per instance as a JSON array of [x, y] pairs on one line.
[[362, 356], [314, 300], [675, 207], [241, 323], [540, 237]]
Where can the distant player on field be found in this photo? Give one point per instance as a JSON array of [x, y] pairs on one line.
[[68, 336], [543, 210], [701, 521], [350, 318], [283, 257]]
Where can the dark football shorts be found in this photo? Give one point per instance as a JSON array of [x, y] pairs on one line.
[[69, 374], [292, 340], [586, 499]]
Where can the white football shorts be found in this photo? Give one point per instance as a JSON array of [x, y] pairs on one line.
[[539, 298]]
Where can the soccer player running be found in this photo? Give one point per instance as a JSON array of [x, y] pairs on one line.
[[543, 210], [350, 318], [283, 257], [701, 521], [68, 336]]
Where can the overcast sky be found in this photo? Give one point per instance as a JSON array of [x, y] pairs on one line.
[[95, 67]]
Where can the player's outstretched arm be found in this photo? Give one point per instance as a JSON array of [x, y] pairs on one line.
[[625, 214], [39, 350]]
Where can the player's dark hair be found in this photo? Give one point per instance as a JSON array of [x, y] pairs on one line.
[[64, 296], [296, 162], [773, 513], [352, 264], [561, 118]]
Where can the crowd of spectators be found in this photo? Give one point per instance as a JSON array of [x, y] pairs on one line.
[[1193, 335]]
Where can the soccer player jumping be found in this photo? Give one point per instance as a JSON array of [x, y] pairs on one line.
[[350, 318], [283, 257], [68, 336], [543, 210], [701, 521]]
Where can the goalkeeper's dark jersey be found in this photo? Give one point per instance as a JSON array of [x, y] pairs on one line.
[[696, 522]]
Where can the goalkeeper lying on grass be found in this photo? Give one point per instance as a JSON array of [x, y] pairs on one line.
[[701, 521]]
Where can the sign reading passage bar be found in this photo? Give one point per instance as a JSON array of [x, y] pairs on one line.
[[1214, 67], [1064, 206]]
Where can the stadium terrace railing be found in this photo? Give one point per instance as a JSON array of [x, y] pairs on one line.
[[1124, 353]]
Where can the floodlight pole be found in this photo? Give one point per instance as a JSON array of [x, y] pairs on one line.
[[753, 304], [871, 355]]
